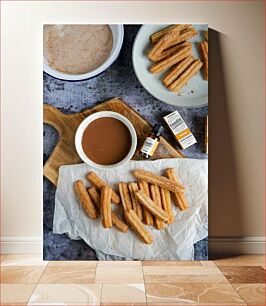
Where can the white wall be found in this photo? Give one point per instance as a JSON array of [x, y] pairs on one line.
[[242, 54]]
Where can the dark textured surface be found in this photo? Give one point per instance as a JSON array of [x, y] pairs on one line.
[[70, 97]]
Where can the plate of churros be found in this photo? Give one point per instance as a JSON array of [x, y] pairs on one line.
[[171, 63]]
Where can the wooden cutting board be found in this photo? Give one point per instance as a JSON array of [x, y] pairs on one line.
[[66, 125]]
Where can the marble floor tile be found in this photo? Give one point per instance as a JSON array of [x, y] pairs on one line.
[[183, 274], [21, 274], [66, 294], [2, 257], [23, 260], [68, 275], [119, 273], [123, 293], [73, 263], [171, 263], [209, 263], [242, 260], [16, 293], [242, 274], [201, 294], [251, 293]]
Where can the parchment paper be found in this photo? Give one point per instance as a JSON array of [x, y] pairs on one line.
[[173, 243]]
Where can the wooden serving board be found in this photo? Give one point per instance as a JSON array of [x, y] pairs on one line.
[[66, 125]]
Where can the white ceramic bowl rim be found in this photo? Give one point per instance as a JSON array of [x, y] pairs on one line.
[[109, 61], [97, 115]]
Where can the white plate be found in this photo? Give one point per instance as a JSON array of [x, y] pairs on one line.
[[194, 94], [118, 36]]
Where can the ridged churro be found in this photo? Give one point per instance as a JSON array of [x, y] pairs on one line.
[[99, 183], [204, 56], [179, 197], [166, 41], [156, 197], [157, 35], [125, 196], [158, 180], [167, 204], [177, 70], [138, 227], [95, 196], [151, 206], [118, 223], [171, 51], [85, 199], [171, 60], [185, 76], [133, 187], [206, 35], [187, 34], [106, 209], [147, 217]]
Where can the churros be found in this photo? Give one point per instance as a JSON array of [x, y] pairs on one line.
[[179, 197], [106, 206], [147, 217], [138, 227], [85, 199], [168, 40], [125, 196], [167, 204], [118, 223], [185, 76], [204, 55], [176, 71], [95, 196], [133, 187], [158, 180], [151, 206], [156, 197], [171, 51], [171, 60], [157, 35], [99, 183]]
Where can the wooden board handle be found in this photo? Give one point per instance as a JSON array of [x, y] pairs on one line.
[[54, 117]]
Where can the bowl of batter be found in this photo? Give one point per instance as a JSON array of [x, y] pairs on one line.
[[77, 52]]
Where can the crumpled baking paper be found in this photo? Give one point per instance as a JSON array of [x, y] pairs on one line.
[[173, 243]]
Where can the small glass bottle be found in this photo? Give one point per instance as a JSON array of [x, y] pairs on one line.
[[151, 142]]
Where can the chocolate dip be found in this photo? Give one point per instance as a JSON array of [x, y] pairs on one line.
[[76, 49], [106, 141]]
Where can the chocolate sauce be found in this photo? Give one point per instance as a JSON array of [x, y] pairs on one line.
[[106, 141]]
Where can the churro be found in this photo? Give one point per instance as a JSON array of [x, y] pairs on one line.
[[185, 76], [118, 223], [206, 35], [175, 72], [157, 35], [171, 51], [138, 227], [171, 60], [167, 204], [166, 41], [204, 55], [106, 206], [99, 183], [133, 187], [179, 197], [147, 217], [156, 197], [95, 196], [151, 206], [85, 200], [158, 180], [125, 196], [187, 34]]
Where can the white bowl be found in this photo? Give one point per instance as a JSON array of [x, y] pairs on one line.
[[118, 36], [104, 114]]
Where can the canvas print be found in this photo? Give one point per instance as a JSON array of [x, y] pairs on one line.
[[125, 142]]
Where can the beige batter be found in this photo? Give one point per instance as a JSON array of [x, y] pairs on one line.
[[76, 49]]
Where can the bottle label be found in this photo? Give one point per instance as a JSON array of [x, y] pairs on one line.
[[149, 146]]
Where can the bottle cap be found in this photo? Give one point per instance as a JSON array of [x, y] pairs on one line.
[[157, 130]]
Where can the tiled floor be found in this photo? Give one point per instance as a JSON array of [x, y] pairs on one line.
[[27, 280]]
